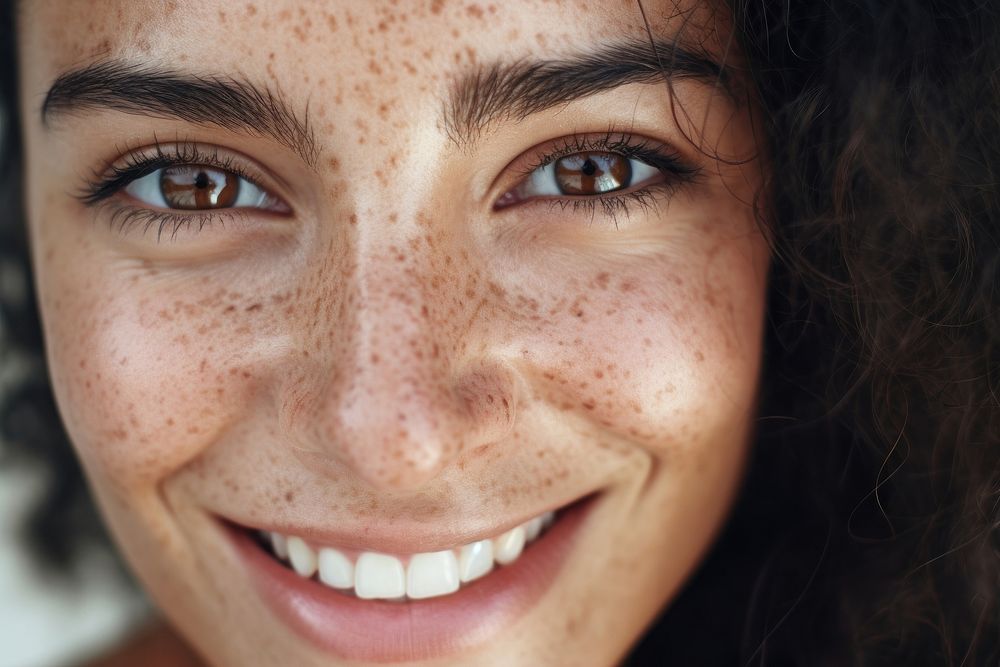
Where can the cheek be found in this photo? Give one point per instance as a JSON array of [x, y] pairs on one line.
[[146, 374], [663, 355]]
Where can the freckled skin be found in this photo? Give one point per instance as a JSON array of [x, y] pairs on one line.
[[397, 351]]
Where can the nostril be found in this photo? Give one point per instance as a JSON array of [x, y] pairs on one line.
[[487, 394]]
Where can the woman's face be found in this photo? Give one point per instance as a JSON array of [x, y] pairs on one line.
[[392, 279]]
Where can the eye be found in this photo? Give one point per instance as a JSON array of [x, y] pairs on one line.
[[198, 188], [582, 174]]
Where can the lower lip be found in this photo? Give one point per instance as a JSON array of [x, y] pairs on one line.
[[383, 631]]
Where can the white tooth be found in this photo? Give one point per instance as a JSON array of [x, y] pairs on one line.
[[475, 560], [431, 574], [548, 519], [508, 546], [379, 576], [335, 569], [280, 545], [532, 528], [302, 556]]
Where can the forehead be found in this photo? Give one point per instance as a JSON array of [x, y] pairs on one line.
[[300, 43]]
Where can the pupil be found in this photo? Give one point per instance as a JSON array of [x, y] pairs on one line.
[[589, 167], [201, 181]]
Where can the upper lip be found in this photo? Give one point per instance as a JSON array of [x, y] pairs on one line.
[[401, 537]]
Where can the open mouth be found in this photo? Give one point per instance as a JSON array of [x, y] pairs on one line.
[[383, 607], [376, 576]]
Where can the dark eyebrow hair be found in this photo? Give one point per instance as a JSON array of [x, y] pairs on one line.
[[229, 103], [505, 91]]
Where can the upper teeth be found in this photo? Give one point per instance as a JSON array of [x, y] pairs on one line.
[[381, 576]]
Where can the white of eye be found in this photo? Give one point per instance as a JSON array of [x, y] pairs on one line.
[[542, 181], [149, 190]]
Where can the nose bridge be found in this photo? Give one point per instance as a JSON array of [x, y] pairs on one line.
[[399, 374], [394, 411]]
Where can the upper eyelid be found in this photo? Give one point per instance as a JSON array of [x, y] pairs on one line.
[[625, 143]]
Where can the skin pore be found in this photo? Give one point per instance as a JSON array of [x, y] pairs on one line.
[[392, 348]]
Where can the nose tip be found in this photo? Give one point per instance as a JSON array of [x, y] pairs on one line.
[[397, 444], [398, 434]]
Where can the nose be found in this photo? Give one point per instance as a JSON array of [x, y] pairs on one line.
[[403, 387]]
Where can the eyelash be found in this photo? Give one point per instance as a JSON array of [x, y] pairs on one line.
[[676, 172], [102, 187]]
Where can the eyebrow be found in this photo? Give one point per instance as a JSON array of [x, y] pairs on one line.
[[226, 102], [478, 99], [513, 91]]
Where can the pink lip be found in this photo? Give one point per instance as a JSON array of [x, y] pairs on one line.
[[382, 631]]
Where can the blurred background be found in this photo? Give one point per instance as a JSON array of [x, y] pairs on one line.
[[47, 620]]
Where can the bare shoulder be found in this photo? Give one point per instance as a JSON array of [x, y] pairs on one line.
[[154, 645]]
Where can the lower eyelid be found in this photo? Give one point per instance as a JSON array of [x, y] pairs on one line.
[[611, 204], [129, 220]]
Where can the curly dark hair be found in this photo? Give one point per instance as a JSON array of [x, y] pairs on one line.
[[868, 528], [64, 519]]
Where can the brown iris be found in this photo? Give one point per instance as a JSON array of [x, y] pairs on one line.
[[196, 187], [592, 173]]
